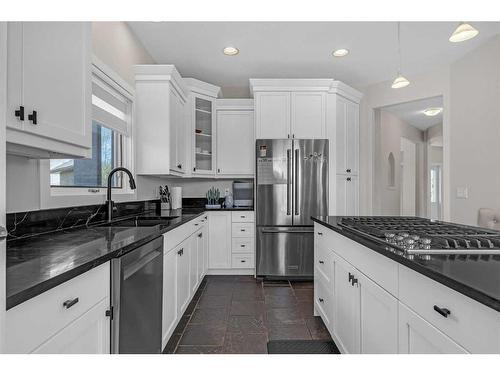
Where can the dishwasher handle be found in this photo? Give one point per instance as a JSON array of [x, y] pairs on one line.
[[130, 269]]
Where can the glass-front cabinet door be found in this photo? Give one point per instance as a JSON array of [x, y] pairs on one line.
[[204, 135]]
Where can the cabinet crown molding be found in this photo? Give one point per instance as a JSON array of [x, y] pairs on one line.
[[201, 87], [290, 84], [157, 72], [340, 88], [235, 104]]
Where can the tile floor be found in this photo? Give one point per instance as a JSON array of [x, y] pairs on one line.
[[238, 314]]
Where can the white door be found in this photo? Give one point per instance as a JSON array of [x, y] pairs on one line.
[[219, 248], [347, 195], [235, 143], [3, 103], [89, 334], [169, 316], [417, 336], [308, 115], [182, 252], [193, 263], [408, 177], [379, 318], [272, 111], [346, 306], [49, 68]]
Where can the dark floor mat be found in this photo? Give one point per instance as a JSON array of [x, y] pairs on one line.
[[301, 347]]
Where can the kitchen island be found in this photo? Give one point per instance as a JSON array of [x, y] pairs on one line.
[[376, 298]]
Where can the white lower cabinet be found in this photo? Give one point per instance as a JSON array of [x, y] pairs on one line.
[[219, 224], [346, 326], [169, 311], [183, 287], [89, 334], [73, 315], [403, 316], [417, 336]]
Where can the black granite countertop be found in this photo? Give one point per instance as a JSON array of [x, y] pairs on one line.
[[38, 263], [476, 276]]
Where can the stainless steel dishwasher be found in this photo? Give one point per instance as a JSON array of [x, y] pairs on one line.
[[137, 284]]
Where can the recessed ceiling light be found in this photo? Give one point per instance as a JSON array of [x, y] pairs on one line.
[[463, 32], [231, 51], [340, 52], [434, 111], [400, 82]]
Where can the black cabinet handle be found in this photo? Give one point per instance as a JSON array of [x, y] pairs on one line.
[[19, 113], [218, 170], [321, 300], [320, 233], [442, 311], [243, 261], [242, 230], [348, 178], [321, 262], [179, 166], [196, 224], [70, 302], [354, 281], [242, 245], [200, 235], [32, 117], [351, 277], [348, 170], [181, 251], [194, 169], [242, 216]]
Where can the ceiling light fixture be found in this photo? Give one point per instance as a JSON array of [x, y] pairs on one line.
[[400, 81], [340, 52], [463, 32], [433, 111], [231, 51]]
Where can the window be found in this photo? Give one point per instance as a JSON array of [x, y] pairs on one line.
[[106, 155], [111, 143]]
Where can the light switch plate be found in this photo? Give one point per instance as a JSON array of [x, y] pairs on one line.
[[462, 192]]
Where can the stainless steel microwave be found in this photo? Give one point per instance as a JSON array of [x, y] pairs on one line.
[[243, 194]]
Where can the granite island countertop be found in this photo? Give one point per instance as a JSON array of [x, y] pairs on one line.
[[476, 276], [38, 263]]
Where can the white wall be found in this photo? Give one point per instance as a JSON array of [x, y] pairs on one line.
[[389, 131], [475, 135], [380, 95]]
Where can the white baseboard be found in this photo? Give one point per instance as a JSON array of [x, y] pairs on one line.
[[231, 271]]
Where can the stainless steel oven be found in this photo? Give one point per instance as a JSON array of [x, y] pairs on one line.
[[137, 285]]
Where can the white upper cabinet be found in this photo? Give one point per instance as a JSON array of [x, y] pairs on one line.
[[308, 115], [202, 132], [160, 105], [235, 137], [347, 150], [272, 111], [49, 89]]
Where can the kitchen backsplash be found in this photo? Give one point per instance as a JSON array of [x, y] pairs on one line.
[[24, 224]]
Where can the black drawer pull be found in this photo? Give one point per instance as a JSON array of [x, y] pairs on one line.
[[32, 117], [354, 281], [243, 261], [181, 251], [70, 302], [348, 170], [199, 235], [321, 300], [320, 233], [351, 277], [196, 224], [19, 113], [442, 311], [242, 230], [179, 166], [321, 262], [242, 245], [348, 178], [242, 217]]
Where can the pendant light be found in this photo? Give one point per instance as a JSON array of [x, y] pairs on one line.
[[463, 32], [400, 81]]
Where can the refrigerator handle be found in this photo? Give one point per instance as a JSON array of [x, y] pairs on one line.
[[296, 182], [288, 171]]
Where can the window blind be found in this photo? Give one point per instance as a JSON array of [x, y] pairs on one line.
[[109, 107]]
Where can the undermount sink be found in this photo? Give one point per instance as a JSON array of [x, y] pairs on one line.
[[140, 222]]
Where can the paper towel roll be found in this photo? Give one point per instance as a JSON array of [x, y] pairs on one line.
[[176, 197]]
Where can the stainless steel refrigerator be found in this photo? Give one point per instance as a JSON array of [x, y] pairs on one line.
[[291, 186]]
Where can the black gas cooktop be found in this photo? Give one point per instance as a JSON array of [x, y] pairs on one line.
[[422, 236]]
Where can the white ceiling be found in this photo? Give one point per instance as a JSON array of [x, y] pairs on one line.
[[412, 114], [303, 49]]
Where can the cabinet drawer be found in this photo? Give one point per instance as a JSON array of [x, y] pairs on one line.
[[243, 245], [242, 261], [323, 300], [33, 322], [243, 230], [242, 216], [471, 324], [323, 265]]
